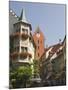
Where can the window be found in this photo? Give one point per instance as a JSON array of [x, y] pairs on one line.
[[16, 49], [25, 31], [24, 49], [37, 42], [17, 30], [38, 54], [30, 38], [38, 47], [41, 41]]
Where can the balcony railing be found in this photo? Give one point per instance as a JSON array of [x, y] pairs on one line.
[[14, 55], [24, 61], [22, 54], [15, 34], [23, 35]]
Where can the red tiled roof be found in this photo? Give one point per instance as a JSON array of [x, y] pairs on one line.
[[54, 47], [53, 50]]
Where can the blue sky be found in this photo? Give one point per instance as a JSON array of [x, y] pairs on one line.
[[49, 17]]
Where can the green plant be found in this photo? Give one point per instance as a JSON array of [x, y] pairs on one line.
[[36, 67], [19, 77]]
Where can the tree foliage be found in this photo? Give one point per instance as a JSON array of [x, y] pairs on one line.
[[36, 68], [19, 77]]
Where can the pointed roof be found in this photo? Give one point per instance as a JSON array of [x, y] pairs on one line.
[[22, 16], [38, 30], [22, 19]]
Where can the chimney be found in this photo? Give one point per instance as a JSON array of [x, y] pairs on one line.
[[46, 45], [59, 41]]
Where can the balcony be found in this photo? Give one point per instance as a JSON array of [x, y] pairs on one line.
[[16, 34], [24, 35], [25, 54], [24, 60], [14, 55], [22, 54]]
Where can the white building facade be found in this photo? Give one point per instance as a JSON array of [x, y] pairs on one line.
[[23, 44]]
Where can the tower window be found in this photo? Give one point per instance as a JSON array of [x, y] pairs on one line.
[[37, 42], [41, 41], [38, 54], [38, 47], [23, 29]]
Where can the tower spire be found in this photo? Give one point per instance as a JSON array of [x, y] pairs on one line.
[[23, 16], [38, 29]]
